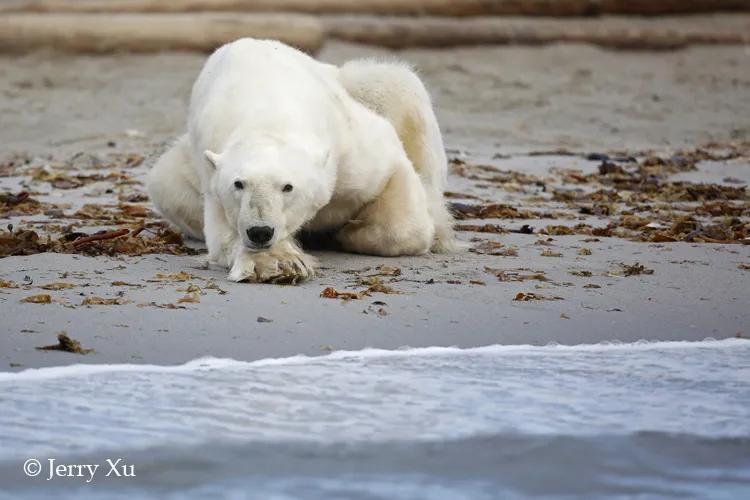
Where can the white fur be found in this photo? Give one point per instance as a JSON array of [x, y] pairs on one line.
[[359, 144]]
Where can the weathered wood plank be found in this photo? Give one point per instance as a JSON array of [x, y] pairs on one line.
[[96, 33], [610, 31]]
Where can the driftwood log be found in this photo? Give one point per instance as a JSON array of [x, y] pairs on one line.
[[98, 33], [611, 32], [144, 32], [386, 7]]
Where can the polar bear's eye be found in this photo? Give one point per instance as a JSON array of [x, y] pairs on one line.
[[239, 185], [287, 188]]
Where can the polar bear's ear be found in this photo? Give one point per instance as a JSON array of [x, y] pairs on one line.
[[213, 158]]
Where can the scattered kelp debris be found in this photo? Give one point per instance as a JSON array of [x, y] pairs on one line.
[[12, 205], [125, 283], [374, 284], [582, 273], [332, 293], [550, 253], [130, 242], [512, 180], [211, 285], [161, 306], [383, 270], [8, 284], [11, 165], [61, 180], [460, 196], [190, 298], [635, 188], [726, 230], [22, 242], [178, 276], [42, 298], [133, 228], [104, 301], [491, 211], [490, 247], [57, 286], [66, 344], [558, 230], [517, 274], [484, 228], [528, 297], [634, 269]]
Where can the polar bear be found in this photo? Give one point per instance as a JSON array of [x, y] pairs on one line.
[[278, 142]]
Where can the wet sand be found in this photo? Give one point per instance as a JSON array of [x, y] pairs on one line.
[[491, 102]]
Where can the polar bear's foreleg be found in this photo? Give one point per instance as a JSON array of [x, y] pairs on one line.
[[172, 192], [397, 222], [221, 239], [395, 92]]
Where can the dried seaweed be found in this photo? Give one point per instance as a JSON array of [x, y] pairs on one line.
[[549, 253], [111, 243], [102, 301], [42, 298], [635, 269], [66, 344], [332, 293], [489, 247], [57, 286], [484, 228], [517, 274], [375, 285], [490, 211], [528, 297], [190, 298]]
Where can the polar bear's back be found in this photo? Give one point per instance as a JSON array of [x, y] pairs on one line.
[[252, 83]]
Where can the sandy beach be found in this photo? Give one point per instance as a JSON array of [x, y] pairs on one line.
[[500, 108]]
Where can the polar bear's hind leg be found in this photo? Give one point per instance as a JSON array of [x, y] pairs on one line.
[[172, 192], [398, 222], [395, 92]]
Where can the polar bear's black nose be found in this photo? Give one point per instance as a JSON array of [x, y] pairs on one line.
[[260, 235]]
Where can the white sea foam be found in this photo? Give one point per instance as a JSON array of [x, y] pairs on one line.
[[211, 363]]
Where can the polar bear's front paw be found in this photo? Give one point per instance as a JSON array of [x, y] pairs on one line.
[[287, 265], [243, 268]]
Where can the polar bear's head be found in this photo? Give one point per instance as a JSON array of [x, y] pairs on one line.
[[269, 190]]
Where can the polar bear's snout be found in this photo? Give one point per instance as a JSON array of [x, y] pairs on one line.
[[260, 236], [262, 218]]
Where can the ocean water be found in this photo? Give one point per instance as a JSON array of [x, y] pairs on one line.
[[646, 420]]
